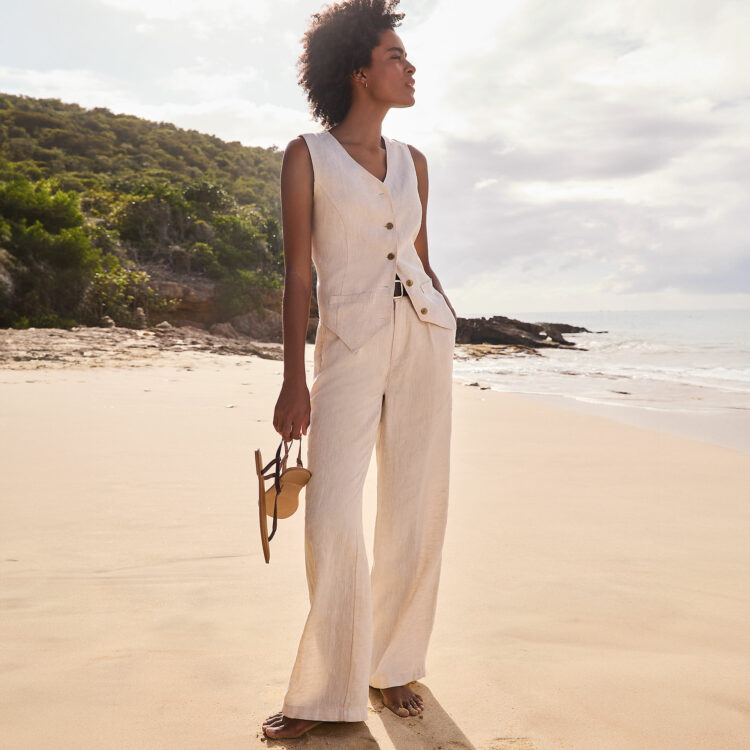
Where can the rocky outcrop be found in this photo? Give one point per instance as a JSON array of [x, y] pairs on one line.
[[196, 299], [266, 326], [262, 326], [114, 346], [508, 331], [224, 329]]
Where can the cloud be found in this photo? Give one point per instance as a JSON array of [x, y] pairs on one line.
[[203, 79], [594, 154], [217, 14], [93, 88], [581, 141]]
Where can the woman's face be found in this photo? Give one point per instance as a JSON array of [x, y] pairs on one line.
[[390, 76]]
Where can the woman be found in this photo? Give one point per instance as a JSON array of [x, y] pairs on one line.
[[355, 201]]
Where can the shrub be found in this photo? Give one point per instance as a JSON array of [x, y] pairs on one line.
[[118, 291]]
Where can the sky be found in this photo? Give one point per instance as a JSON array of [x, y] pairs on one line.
[[583, 155]]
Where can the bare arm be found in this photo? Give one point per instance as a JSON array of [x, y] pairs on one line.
[[292, 412], [420, 163]]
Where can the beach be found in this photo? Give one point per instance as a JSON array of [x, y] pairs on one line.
[[594, 591]]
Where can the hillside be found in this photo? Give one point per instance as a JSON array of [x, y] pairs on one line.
[[89, 148], [103, 213]]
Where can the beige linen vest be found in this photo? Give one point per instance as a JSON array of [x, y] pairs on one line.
[[363, 233]]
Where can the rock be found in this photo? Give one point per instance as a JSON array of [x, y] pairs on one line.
[[224, 329], [567, 328], [264, 326], [501, 330], [107, 322], [140, 318], [117, 346], [196, 298], [477, 351], [267, 326], [183, 322]]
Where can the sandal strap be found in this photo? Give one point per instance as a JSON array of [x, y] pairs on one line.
[[276, 460], [276, 474]]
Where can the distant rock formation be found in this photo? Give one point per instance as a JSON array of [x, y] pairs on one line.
[[511, 332]]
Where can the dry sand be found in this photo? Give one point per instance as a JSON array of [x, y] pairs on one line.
[[595, 591]]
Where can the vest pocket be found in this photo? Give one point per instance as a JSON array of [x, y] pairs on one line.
[[438, 311], [355, 318]]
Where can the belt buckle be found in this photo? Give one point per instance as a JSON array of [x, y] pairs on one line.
[[401, 289]]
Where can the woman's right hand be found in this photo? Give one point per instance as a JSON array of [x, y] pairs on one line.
[[292, 413]]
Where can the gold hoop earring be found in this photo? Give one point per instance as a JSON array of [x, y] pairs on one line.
[[365, 84]]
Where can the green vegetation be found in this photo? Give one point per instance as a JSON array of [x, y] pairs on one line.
[[94, 206]]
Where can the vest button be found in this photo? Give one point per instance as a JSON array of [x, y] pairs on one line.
[[390, 256], [424, 311], [409, 282], [389, 225]]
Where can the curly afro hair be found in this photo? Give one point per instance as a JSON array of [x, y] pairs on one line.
[[339, 41]]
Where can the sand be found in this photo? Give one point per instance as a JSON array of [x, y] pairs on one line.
[[594, 596]]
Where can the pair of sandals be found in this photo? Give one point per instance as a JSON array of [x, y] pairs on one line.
[[281, 499]]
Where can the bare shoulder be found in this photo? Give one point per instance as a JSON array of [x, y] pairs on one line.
[[297, 165], [420, 166], [420, 160], [296, 151]]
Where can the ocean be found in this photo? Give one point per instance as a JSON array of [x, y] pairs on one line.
[[686, 372]]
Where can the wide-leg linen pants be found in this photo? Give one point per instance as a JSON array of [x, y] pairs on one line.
[[372, 627]]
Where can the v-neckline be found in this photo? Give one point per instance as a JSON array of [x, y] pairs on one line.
[[363, 168]]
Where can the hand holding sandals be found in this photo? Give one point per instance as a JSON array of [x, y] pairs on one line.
[[292, 413]]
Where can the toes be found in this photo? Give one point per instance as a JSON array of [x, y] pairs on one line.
[[274, 724], [416, 704], [409, 706]]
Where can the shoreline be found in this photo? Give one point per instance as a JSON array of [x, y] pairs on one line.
[[40, 349], [723, 430]]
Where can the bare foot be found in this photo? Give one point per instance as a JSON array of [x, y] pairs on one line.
[[402, 700], [279, 726]]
